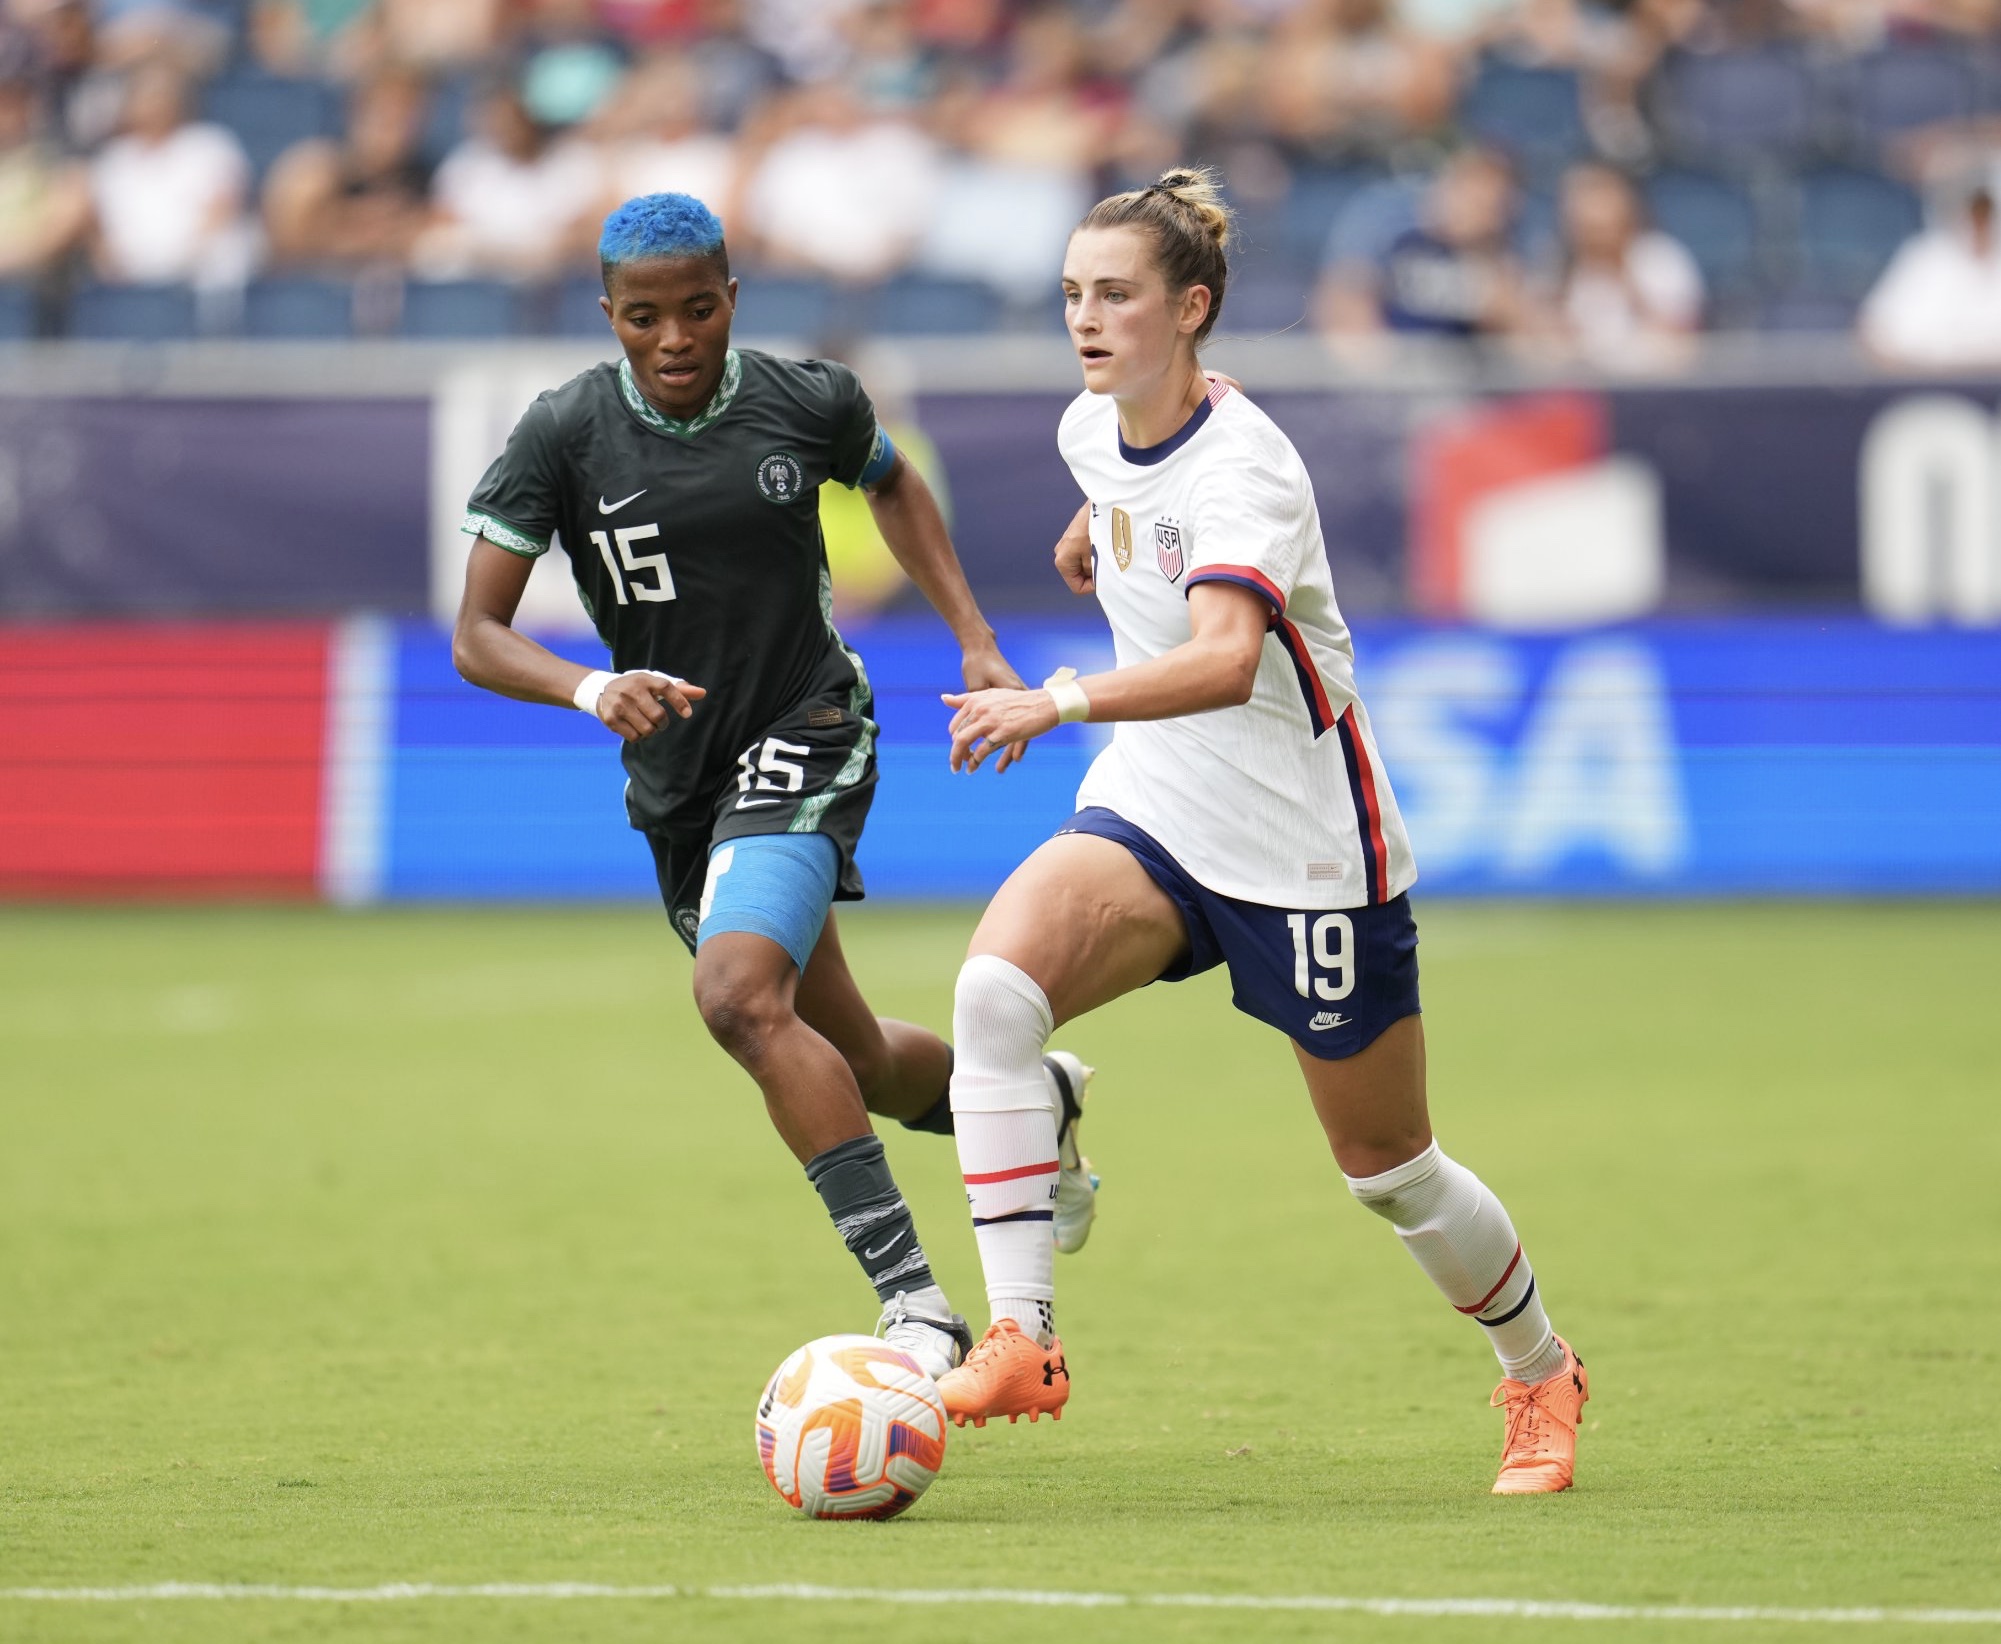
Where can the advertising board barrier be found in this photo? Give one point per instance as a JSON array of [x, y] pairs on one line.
[[1783, 757]]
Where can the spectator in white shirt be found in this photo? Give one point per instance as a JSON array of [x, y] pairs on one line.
[[838, 191], [169, 193], [658, 140], [1938, 304], [1630, 296], [512, 201]]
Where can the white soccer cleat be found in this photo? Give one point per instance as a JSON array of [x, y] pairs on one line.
[[1077, 1185], [938, 1345]]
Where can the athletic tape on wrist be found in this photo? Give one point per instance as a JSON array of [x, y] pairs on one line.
[[1068, 695], [592, 685]]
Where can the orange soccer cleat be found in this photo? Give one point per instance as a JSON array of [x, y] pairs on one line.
[[1008, 1373], [1539, 1454]]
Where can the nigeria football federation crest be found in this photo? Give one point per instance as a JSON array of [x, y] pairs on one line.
[[1167, 546], [1122, 538], [687, 921], [780, 478]]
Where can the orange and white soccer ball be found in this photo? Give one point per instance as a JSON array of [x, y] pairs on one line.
[[851, 1428]]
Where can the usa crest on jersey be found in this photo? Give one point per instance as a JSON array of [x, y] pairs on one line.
[[1167, 548]]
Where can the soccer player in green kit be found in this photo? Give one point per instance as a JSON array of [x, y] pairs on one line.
[[684, 486]]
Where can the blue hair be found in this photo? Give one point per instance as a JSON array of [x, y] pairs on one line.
[[655, 226]]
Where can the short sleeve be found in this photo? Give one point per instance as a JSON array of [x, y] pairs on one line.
[[1249, 528], [515, 504], [862, 453]]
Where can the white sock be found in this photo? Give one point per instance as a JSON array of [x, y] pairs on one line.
[[1005, 1118], [928, 1303], [1462, 1238]]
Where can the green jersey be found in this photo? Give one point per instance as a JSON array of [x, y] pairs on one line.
[[696, 550]]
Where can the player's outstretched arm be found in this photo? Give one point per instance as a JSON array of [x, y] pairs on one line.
[[1217, 667], [907, 515], [489, 653]]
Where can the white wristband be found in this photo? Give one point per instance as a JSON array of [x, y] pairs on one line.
[[592, 685], [1071, 702], [589, 689]]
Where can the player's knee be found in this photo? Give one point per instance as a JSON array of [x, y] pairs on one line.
[[870, 1064], [741, 1012], [1000, 1021], [1404, 1194]]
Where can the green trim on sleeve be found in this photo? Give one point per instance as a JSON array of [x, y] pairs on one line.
[[502, 535]]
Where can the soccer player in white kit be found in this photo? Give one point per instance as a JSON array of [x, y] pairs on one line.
[[1240, 816]]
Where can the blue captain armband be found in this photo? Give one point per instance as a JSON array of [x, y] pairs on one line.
[[881, 458]]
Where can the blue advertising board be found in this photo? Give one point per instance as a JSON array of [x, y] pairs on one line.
[[1694, 758]]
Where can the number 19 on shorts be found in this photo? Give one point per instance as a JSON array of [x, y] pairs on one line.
[[1323, 965]]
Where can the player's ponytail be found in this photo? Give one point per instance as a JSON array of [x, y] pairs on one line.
[[1189, 225]]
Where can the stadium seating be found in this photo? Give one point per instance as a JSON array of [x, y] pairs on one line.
[[17, 313], [1261, 302], [575, 312], [918, 305], [781, 305], [1743, 110], [1850, 224], [451, 108], [134, 313], [1715, 218], [1534, 114], [1317, 199], [459, 308], [269, 114], [1899, 88], [1776, 164], [298, 307]]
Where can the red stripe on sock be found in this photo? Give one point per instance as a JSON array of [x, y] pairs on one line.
[[1019, 1171], [1480, 1306]]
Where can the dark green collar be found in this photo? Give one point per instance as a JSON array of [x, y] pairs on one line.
[[659, 422]]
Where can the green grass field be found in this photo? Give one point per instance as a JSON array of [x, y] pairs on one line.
[[443, 1247]]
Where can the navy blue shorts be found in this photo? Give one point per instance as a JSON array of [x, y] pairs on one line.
[[1331, 981]]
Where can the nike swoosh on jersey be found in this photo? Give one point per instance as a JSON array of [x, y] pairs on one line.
[[870, 1255], [613, 507]]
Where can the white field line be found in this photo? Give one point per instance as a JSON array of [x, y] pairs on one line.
[[1512, 1609]]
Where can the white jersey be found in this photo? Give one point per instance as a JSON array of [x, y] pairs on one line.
[[1281, 801]]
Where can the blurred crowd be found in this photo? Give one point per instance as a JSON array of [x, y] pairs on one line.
[[1602, 177]]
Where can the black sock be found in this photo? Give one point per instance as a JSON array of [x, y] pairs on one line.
[[937, 1119], [868, 1212]]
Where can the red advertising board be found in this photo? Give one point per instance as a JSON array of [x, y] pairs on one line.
[[161, 759]]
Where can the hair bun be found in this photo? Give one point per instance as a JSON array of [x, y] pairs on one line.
[[1201, 191]]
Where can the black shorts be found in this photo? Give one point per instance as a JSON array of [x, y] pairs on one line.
[[812, 772], [1329, 979]]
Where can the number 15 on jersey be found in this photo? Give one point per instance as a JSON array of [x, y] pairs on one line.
[[662, 588]]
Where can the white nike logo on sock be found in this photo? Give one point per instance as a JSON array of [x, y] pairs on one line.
[[870, 1255]]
